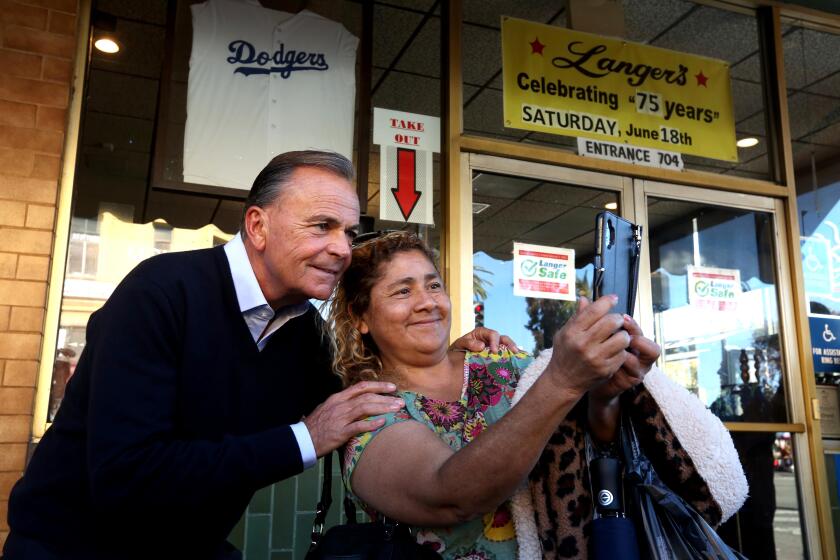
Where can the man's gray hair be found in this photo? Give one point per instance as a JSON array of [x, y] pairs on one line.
[[269, 183]]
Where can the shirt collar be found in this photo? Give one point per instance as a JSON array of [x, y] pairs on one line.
[[248, 291]]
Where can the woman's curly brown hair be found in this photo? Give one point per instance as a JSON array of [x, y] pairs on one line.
[[355, 356]]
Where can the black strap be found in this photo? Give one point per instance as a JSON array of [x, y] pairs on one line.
[[324, 503], [634, 274], [635, 259], [631, 449]]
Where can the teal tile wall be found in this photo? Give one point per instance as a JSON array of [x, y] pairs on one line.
[[278, 521]]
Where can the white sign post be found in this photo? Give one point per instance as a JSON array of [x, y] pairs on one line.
[[407, 142], [543, 272]]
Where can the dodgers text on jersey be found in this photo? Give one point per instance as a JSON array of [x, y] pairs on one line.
[[283, 61]]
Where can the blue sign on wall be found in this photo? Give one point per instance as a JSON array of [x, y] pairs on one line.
[[825, 343], [817, 266]]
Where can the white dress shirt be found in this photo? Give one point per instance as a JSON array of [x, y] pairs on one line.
[[263, 322]]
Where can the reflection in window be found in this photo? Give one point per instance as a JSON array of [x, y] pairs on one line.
[[819, 212], [530, 322], [163, 237], [119, 216], [102, 251], [515, 209], [83, 252], [715, 307], [769, 525], [71, 341]]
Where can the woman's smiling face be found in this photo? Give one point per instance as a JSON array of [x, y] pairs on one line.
[[410, 313]]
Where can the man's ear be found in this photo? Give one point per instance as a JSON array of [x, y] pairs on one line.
[[256, 226]]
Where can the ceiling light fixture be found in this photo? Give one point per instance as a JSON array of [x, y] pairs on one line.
[[747, 142], [106, 45], [611, 205]]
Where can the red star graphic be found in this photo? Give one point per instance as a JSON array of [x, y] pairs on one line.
[[701, 79], [536, 46]]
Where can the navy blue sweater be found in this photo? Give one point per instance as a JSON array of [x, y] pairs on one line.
[[172, 420]]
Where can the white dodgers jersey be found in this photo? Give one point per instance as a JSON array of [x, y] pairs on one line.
[[263, 82]]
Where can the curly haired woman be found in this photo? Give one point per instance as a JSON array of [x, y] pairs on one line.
[[486, 461]]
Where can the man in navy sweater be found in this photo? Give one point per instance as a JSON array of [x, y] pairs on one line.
[[205, 378]]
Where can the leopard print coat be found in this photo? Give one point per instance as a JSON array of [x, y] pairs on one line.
[[689, 448]]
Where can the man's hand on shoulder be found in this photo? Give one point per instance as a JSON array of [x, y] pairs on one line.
[[345, 414]]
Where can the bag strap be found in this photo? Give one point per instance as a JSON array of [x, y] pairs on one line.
[[324, 503], [634, 273], [637, 466], [630, 447]]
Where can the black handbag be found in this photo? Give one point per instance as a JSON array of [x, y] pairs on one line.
[[384, 539], [667, 526]]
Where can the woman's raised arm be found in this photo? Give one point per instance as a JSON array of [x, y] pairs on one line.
[[406, 472]]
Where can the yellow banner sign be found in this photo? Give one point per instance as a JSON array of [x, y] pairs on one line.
[[567, 82]]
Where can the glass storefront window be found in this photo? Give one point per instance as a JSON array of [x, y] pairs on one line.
[[716, 308], [131, 200], [514, 209], [482, 64], [406, 77], [813, 99], [136, 195], [681, 26]]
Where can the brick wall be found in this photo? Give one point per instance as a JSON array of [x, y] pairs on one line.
[[37, 44]]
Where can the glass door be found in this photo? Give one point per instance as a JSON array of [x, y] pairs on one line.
[[714, 292], [720, 309]]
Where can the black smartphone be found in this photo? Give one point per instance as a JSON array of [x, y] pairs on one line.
[[618, 244]]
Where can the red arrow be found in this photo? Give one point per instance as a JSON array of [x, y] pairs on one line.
[[406, 191]]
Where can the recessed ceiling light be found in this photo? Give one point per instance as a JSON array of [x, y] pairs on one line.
[[611, 205], [106, 45], [747, 142]]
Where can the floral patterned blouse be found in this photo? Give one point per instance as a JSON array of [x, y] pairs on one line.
[[489, 384]]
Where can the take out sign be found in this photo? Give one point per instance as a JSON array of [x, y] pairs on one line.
[[406, 130], [406, 144]]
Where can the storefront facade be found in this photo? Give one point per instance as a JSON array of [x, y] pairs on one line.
[[106, 163]]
